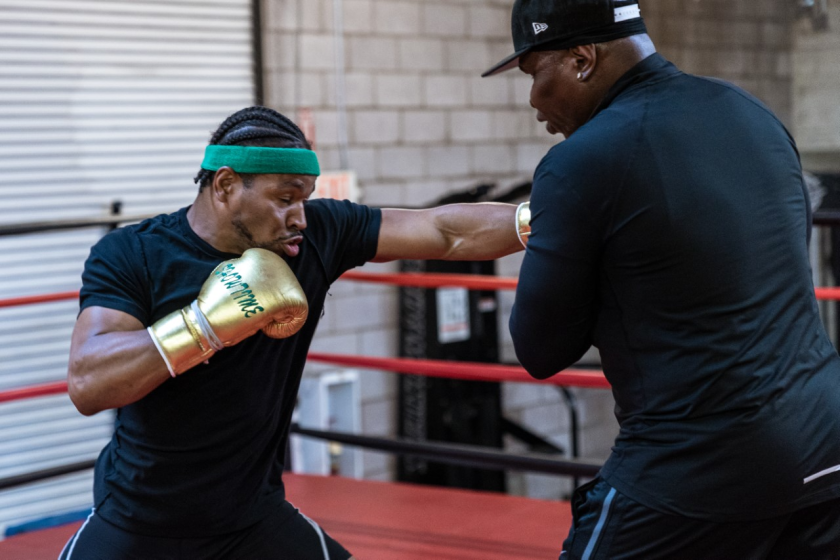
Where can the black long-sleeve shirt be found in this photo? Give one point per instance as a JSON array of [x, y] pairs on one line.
[[671, 231]]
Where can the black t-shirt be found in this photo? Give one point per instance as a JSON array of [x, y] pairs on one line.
[[203, 453], [671, 232]]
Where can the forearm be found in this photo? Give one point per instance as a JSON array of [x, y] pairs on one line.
[[543, 347], [114, 369], [553, 316], [482, 231]]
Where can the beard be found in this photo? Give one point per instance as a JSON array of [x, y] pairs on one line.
[[275, 245]]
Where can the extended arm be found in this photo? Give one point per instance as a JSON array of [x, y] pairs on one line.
[[477, 231]]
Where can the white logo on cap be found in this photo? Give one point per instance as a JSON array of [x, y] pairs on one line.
[[539, 28], [627, 12]]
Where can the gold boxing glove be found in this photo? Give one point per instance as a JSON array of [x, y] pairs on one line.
[[255, 291], [523, 222]]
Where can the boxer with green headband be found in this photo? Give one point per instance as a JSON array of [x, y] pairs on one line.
[[197, 324]]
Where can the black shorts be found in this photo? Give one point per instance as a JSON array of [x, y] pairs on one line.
[[609, 525], [285, 535]]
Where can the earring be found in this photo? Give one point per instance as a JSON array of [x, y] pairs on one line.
[[580, 76]]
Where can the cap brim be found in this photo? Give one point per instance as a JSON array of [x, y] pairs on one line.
[[507, 64]]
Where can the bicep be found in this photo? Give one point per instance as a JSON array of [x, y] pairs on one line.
[[94, 321], [409, 234], [113, 361]]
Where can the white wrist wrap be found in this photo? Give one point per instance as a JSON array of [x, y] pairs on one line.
[[523, 221], [160, 351], [205, 327]]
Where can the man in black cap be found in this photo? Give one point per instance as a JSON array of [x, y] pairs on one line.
[[670, 230]]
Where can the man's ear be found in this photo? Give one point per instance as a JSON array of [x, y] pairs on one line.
[[586, 59], [223, 183]]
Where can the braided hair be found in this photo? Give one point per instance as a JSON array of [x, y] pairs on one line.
[[254, 126]]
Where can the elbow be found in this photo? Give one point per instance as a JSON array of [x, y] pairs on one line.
[[80, 394], [545, 356], [540, 371], [542, 363], [454, 250], [535, 358], [538, 366]]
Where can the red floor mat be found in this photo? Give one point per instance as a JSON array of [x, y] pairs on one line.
[[393, 521]]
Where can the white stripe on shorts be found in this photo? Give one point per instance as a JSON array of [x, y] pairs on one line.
[[821, 474], [602, 520], [72, 542], [320, 535]]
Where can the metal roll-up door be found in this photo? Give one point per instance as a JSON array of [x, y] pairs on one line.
[[100, 101]]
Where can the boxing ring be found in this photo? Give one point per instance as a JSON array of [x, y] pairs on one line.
[[388, 520], [393, 521], [383, 520]]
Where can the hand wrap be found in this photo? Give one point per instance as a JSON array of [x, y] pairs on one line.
[[523, 222]]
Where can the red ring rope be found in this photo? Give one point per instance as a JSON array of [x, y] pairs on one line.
[[434, 280], [13, 302], [412, 279], [471, 371], [832, 294], [56, 388]]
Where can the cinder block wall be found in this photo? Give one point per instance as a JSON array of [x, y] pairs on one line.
[[421, 123], [816, 83], [747, 42]]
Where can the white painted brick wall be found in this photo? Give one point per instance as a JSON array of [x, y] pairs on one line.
[[280, 14], [428, 127], [358, 90], [529, 155], [448, 161], [375, 127], [472, 126], [424, 192], [317, 52], [815, 68], [489, 22], [312, 15], [371, 53], [446, 91], [364, 163], [509, 125], [358, 16], [403, 162], [493, 93], [397, 18], [399, 90], [492, 158], [467, 56], [421, 54], [444, 19], [387, 194]]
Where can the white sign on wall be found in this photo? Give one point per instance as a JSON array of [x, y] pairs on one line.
[[453, 314]]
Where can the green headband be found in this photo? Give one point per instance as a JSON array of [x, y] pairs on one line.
[[249, 159]]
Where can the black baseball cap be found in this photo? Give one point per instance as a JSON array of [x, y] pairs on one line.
[[543, 25]]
